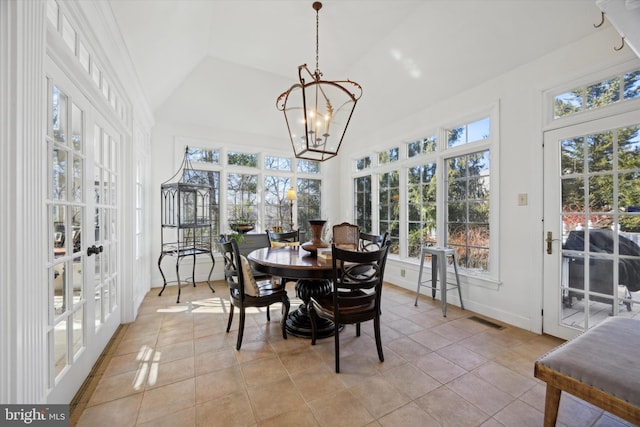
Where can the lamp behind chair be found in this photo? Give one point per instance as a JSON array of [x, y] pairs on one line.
[[291, 196]]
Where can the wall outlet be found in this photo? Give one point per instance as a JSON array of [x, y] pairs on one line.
[[523, 199], [403, 272]]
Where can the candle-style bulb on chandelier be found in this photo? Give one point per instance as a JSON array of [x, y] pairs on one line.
[[318, 111]]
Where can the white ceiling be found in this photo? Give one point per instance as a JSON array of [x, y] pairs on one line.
[[223, 63]]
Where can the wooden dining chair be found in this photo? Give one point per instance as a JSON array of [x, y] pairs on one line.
[[245, 291], [346, 236], [373, 242], [356, 295], [285, 237]]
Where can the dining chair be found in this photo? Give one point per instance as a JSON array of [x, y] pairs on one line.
[[245, 291], [290, 237], [356, 294], [250, 242], [346, 236], [373, 242]]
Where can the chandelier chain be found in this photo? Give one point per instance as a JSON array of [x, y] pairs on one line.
[[317, 41]]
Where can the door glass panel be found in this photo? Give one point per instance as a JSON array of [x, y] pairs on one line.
[[76, 231], [59, 115], [78, 176], [601, 251], [571, 156], [77, 280], [78, 332], [59, 288], [59, 179], [77, 125], [60, 346]]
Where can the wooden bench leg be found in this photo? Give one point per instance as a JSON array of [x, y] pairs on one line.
[[551, 404]]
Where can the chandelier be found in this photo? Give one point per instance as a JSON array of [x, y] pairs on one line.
[[318, 111]]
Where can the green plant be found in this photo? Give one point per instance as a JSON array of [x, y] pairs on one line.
[[239, 237]]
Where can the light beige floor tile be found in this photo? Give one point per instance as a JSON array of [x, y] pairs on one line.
[[184, 418], [409, 416], [481, 393], [505, 379], [450, 409], [462, 356], [408, 348], [300, 359], [170, 372], [432, 340], [119, 412], [263, 371], [340, 410], [217, 384], [177, 351], [302, 417], [439, 368], [379, 397], [519, 414], [411, 380], [275, 398], [317, 381], [215, 360], [115, 387], [167, 400], [232, 410]]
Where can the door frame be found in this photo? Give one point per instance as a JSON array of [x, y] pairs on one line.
[[552, 268]]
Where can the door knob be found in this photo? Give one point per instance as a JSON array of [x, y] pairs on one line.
[[94, 250]]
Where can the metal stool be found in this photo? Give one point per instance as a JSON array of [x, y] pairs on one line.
[[439, 262]]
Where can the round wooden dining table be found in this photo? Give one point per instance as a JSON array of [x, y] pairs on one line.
[[313, 278]]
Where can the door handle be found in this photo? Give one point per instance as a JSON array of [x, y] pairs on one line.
[[550, 240], [94, 250]]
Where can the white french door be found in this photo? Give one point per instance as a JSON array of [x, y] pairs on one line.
[[591, 224], [82, 206]]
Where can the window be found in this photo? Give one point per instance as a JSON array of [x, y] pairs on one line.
[[467, 208], [201, 155], [363, 163], [309, 202], [362, 197], [422, 146], [242, 198], [277, 163], [308, 166], [438, 193], [625, 86], [391, 155], [242, 159], [421, 205], [211, 178], [389, 212], [277, 209], [468, 133]]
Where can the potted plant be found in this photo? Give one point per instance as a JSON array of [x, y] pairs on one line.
[[243, 220]]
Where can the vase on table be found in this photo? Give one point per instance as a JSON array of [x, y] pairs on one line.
[[317, 226]]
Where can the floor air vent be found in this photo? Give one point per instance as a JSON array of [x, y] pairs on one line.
[[486, 322]]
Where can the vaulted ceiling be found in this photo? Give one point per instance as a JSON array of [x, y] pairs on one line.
[[222, 63]]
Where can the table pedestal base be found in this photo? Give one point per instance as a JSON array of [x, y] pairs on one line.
[[298, 323]]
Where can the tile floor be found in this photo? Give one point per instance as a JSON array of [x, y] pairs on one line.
[[176, 366]]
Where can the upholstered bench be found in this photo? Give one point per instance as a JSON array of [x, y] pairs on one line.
[[600, 366]]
